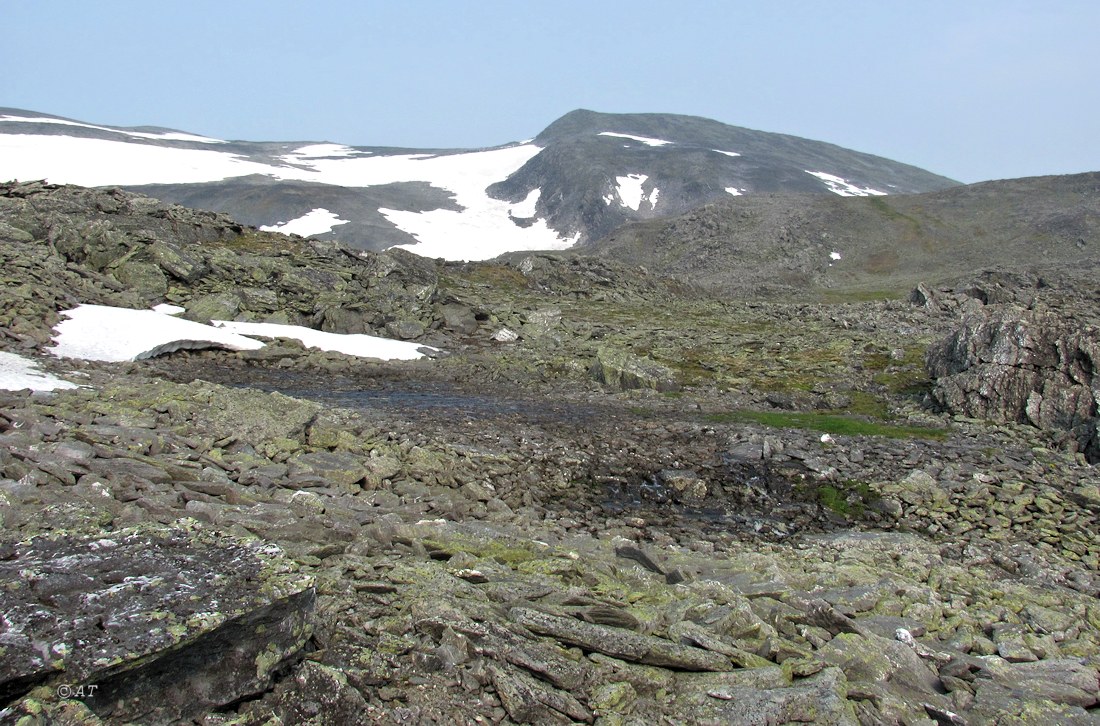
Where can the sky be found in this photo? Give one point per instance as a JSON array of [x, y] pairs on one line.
[[971, 89]]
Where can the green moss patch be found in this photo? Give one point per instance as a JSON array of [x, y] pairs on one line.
[[827, 423]]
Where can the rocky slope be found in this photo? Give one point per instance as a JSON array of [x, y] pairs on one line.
[[582, 177], [644, 504], [789, 244], [682, 162]]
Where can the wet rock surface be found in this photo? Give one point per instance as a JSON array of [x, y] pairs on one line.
[[792, 536]]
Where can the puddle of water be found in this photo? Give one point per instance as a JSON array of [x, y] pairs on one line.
[[416, 398]]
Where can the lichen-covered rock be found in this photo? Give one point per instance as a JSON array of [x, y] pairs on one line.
[[144, 278], [621, 643], [149, 624], [622, 371], [217, 306], [687, 486], [743, 698]]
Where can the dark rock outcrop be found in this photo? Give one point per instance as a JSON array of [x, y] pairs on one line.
[[1031, 366]]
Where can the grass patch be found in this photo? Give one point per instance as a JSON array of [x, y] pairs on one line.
[[867, 405], [856, 296], [828, 423], [259, 243], [907, 376], [849, 499], [500, 277]]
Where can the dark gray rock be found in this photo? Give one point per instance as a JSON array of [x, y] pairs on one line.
[[165, 623], [459, 318], [1028, 366]]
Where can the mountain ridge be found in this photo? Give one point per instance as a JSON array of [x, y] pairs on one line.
[[813, 242], [584, 175]]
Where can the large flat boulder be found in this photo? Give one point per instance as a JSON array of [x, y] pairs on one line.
[[149, 624]]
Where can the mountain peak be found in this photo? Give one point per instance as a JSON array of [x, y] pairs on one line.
[[583, 176]]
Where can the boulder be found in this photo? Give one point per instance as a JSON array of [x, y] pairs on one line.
[[217, 306], [763, 696], [619, 643], [542, 321], [149, 624], [177, 263], [622, 371], [686, 485], [459, 318], [144, 278], [342, 470], [405, 329]]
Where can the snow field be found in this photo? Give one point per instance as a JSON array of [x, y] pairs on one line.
[[110, 334], [18, 373]]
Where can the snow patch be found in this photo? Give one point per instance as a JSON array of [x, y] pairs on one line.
[[631, 194], [735, 191], [105, 333], [167, 136], [167, 309], [321, 151], [630, 190], [317, 221], [526, 208], [17, 373], [100, 162], [834, 255], [648, 141], [843, 187], [727, 153], [357, 344]]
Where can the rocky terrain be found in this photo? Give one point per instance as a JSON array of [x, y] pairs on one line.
[[781, 244], [618, 498]]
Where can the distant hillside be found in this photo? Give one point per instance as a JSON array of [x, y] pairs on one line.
[[799, 242], [585, 175], [674, 163]]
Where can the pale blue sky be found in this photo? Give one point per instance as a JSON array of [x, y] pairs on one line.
[[972, 89]]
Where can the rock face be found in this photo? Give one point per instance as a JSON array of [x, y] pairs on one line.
[[1009, 364], [149, 624]]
